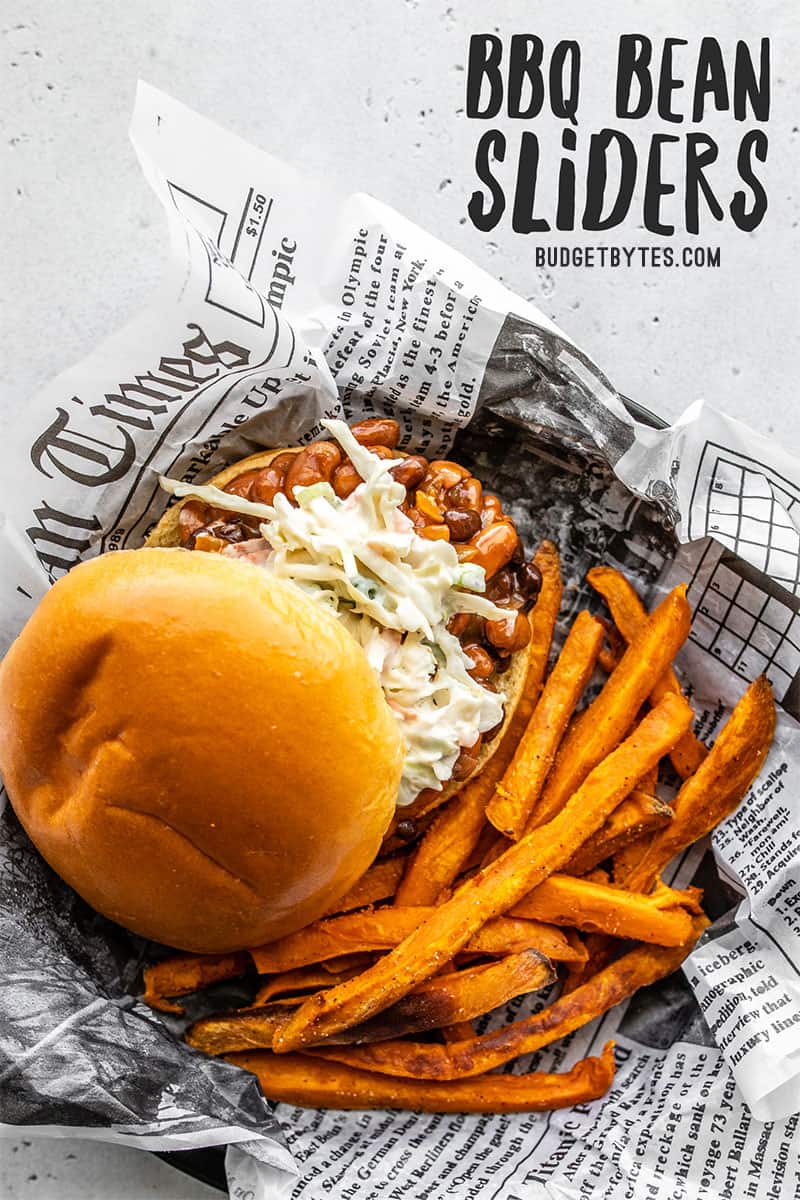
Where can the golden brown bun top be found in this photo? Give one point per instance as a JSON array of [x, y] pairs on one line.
[[199, 750]]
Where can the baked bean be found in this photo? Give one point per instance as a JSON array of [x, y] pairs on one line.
[[491, 510], [230, 531], [482, 661], [505, 589], [271, 479], [376, 431], [458, 624], [406, 829], [470, 630], [315, 464], [411, 471], [414, 515], [204, 540], [462, 524], [492, 733], [529, 580], [518, 557], [345, 480], [192, 516], [501, 589], [428, 507], [242, 484], [492, 546], [284, 460], [467, 760], [440, 476], [435, 533], [465, 764], [221, 531], [466, 494], [511, 634], [269, 482]]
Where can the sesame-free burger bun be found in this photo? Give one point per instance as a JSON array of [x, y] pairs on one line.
[[196, 748]]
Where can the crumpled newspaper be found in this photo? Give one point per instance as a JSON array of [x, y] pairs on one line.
[[285, 305]]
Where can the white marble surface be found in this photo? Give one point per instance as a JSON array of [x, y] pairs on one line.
[[372, 97], [69, 1169]]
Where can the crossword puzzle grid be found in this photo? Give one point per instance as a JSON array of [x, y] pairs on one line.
[[751, 514], [749, 630]]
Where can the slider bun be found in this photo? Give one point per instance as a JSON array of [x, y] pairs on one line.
[[198, 749]]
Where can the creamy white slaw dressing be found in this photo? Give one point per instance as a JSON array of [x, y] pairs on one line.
[[393, 591]]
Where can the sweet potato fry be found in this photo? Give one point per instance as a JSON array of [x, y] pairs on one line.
[[608, 659], [419, 1060], [516, 801], [493, 890], [649, 782], [447, 998], [599, 908], [457, 997], [630, 614], [348, 964], [691, 897], [293, 983], [384, 928], [640, 813], [716, 788], [573, 972], [251, 1030], [598, 875], [495, 849], [606, 721], [488, 839], [627, 858], [300, 1080], [444, 850], [458, 1032], [543, 622], [512, 935], [613, 647], [187, 973], [333, 937], [601, 950], [378, 883]]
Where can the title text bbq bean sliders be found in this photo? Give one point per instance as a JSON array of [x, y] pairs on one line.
[[210, 747]]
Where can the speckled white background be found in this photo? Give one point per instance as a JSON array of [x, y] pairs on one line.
[[371, 97]]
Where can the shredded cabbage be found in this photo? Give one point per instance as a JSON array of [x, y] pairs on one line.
[[392, 590]]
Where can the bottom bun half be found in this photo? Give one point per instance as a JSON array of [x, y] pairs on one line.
[[511, 683]]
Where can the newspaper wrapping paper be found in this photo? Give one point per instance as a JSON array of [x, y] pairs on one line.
[[284, 305]]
